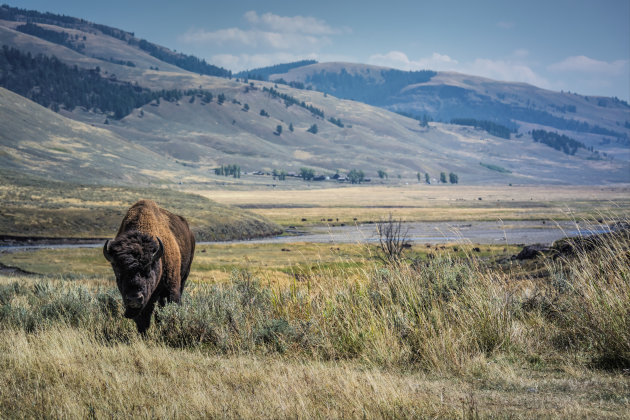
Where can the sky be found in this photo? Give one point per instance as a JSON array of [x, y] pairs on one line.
[[580, 46]]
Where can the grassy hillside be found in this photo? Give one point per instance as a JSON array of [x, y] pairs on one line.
[[205, 134], [371, 139], [32, 208], [38, 141], [447, 95]]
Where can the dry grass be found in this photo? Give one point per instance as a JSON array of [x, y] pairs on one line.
[[443, 337], [272, 263], [413, 195], [32, 207], [64, 372], [426, 203]]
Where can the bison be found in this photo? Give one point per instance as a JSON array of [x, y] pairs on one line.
[[151, 257]]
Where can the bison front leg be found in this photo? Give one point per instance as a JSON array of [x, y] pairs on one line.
[[143, 320], [174, 296], [174, 293]]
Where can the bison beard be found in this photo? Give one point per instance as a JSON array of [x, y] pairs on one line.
[[151, 257]]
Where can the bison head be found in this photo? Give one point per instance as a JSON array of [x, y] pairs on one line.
[[135, 258]]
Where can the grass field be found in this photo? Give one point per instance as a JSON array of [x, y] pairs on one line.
[[272, 263], [427, 203], [349, 337], [310, 330], [45, 374]]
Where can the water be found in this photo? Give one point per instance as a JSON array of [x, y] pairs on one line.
[[485, 232]]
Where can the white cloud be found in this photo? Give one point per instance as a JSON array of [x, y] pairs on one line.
[[583, 64], [400, 60], [290, 24], [505, 70], [268, 30]]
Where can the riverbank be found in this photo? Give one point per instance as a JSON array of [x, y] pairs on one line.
[[520, 232]]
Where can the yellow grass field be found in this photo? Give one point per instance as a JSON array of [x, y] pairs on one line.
[[275, 264], [66, 373], [421, 202], [316, 330], [348, 337]]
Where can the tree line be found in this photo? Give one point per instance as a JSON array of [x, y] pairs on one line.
[[372, 89], [263, 73], [233, 170], [559, 142], [52, 83], [184, 61], [290, 100], [61, 38], [490, 127]]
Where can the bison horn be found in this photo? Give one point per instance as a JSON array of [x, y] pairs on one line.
[[106, 251], [158, 254]]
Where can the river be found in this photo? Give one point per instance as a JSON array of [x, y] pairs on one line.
[[478, 232]]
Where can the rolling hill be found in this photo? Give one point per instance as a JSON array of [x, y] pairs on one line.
[[61, 178], [262, 125], [448, 95], [39, 141]]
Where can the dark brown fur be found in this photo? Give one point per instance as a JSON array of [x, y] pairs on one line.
[[151, 257]]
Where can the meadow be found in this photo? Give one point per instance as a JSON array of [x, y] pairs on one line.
[[319, 330], [316, 330], [319, 204]]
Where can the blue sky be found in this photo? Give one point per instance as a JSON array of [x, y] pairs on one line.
[[580, 46]]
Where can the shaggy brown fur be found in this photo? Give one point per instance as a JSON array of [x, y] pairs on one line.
[[151, 257]]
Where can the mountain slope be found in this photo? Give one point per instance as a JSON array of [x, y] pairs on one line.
[[62, 178], [243, 128], [371, 139], [448, 95], [36, 140]]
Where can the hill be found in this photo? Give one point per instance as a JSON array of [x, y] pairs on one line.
[[597, 121], [36, 208], [62, 178], [41, 142], [260, 125]]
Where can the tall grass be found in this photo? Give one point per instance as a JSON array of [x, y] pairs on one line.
[[593, 298], [444, 337], [438, 315]]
